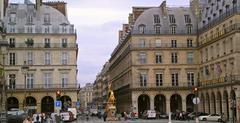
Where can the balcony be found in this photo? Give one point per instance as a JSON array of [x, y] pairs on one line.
[[42, 87], [221, 18], [164, 86], [163, 32], [216, 36], [162, 45], [221, 81], [43, 45]]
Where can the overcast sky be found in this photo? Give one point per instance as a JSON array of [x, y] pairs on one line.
[[97, 23]]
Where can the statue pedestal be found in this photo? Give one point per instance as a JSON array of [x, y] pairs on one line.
[[111, 113]]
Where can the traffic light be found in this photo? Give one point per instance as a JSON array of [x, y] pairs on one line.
[[58, 95]]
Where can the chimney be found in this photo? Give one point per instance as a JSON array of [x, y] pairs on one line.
[[163, 7], [38, 4]]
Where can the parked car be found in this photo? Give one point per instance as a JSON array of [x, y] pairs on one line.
[[193, 114], [162, 115], [149, 114], [16, 116], [211, 117]]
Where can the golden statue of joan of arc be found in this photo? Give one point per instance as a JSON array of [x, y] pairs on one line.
[[111, 97]]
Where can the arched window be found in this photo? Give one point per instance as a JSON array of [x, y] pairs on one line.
[[141, 28]]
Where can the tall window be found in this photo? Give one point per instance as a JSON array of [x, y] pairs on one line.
[[143, 79], [12, 29], [159, 79], [173, 29], [47, 58], [46, 18], [64, 42], [64, 58], [29, 29], [142, 43], [141, 29], [190, 78], [189, 29], [46, 29], [30, 58], [46, 42], [12, 18], [12, 42], [187, 18], [64, 29], [47, 80], [172, 19], [190, 58], [142, 58], [29, 19], [156, 19], [174, 43], [30, 81], [157, 29], [12, 58], [64, 80], [158, 42], [189, 43], [174, 79], [12, 81], [174, 58], [158, 58]]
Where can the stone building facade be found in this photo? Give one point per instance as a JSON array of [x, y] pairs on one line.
[[41, 57], [86, 95], [166, 52]]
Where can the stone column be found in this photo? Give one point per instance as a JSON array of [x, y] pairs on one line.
[[238, 104], [224, 107], [184, 107], [168, 108], [151, 102], [229, 107], [218, 106]]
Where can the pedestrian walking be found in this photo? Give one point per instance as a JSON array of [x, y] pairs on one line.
[[105, 116]]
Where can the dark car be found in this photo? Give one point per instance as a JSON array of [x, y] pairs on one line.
[[16, 117], [163, 116]]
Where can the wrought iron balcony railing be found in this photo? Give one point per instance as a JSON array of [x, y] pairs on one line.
[[43, 45], [179, 85], [221, 81], [164, 32], [226, 30], [35, 87], [163, 45]]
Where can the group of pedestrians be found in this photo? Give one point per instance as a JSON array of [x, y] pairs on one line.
[[38, 118]]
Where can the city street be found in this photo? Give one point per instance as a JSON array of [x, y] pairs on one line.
[[96, 120]]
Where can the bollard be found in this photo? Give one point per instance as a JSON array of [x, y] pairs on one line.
[[169, 118], [197, 120]]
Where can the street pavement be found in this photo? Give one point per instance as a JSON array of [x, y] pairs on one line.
[[96, 120]]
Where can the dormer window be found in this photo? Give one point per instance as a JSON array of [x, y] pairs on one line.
[[47, 18], [141, 28], [156, 19], [187, 18], [29, 19], [172, 19]]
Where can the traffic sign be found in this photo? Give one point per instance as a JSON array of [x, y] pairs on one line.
[[78, 104], [58, 104], [196, 100]]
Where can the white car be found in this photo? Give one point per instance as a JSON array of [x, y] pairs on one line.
[[211, 117]]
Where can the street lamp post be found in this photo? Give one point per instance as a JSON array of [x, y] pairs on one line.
[[24, 70], [3, 45]]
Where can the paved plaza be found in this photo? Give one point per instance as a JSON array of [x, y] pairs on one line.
[[96, 120]]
